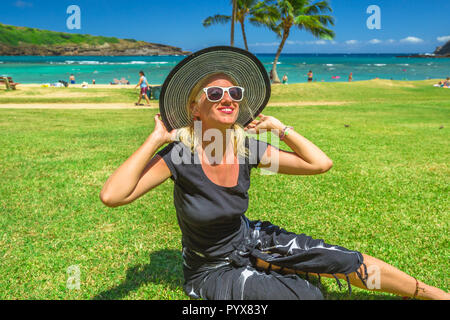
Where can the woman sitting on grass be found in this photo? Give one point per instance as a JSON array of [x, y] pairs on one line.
[[226, 255]]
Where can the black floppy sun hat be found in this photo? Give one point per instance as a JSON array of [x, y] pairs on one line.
[[239, 64]]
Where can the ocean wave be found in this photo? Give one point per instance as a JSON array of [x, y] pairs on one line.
[[78, 62], [91, 62], [329, 64], [140, 62], [379, 64], [132, 62], [94, 62]]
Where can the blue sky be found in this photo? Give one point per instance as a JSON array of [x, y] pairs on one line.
[[407, 26]]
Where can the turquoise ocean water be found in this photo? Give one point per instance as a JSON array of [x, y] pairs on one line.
[[325, 67]]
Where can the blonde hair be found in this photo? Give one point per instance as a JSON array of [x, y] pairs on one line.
[[186, 134]]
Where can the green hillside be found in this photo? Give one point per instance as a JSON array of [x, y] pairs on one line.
[[14, 36]]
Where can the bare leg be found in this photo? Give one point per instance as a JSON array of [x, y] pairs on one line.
[[384, 278], [139, 101], [147, 99]]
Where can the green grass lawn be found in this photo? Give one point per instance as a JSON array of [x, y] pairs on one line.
[[386, 195]]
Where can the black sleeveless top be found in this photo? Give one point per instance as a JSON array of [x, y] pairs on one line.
[[209, 215]]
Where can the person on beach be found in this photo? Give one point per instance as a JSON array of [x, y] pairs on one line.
[[310, 76], [446, 83], [72, 79], [350, 77], [144, 86], [225, 254], [285, 79]]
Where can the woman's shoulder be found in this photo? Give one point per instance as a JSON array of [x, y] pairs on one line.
[[256, 148], [176, 155], [174, 145], [176, 152], [255, 143]]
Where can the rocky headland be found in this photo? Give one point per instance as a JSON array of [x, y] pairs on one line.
[[17, 41]]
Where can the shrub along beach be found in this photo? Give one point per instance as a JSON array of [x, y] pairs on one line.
[[386, 194]]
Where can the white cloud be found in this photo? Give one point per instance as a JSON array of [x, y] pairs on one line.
[[265, 44], [390, 41], [351, 41], [443, 39], [22, 4], [411, 40], [375, 41], [293, 42], [319, 42]]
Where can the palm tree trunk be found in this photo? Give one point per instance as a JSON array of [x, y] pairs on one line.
[[233, 19], [243, 34], [275, 78]]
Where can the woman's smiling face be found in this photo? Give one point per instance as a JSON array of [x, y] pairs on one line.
[[221, 114]]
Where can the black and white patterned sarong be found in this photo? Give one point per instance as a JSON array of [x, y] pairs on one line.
[[235, 276]]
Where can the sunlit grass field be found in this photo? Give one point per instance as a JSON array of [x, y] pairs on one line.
[[387, 194]]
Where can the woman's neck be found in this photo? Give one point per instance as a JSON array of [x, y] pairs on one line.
[[219, 145]]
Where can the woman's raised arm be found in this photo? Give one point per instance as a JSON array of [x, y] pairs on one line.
[[140, 172], [306, 158]]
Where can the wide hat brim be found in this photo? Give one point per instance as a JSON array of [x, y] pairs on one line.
[[239, 64]]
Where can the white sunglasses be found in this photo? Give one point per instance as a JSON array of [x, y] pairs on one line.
[[215, 93]]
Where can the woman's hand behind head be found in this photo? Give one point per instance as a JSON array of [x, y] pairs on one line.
[[161, 133], [264, 123]]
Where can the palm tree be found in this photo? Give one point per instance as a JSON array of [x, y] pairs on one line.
[[243, 9], [233, 21], [281, 15]]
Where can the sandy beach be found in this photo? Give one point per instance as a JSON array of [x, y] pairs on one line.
[[31, 96], [106, 96], [152, 106], [74, 106], [90, 86]]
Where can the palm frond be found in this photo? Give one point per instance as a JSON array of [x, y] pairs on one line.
[[217, 19], [325, 19], [313, 25], [268, 16], [271, 25], [318, 7]]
